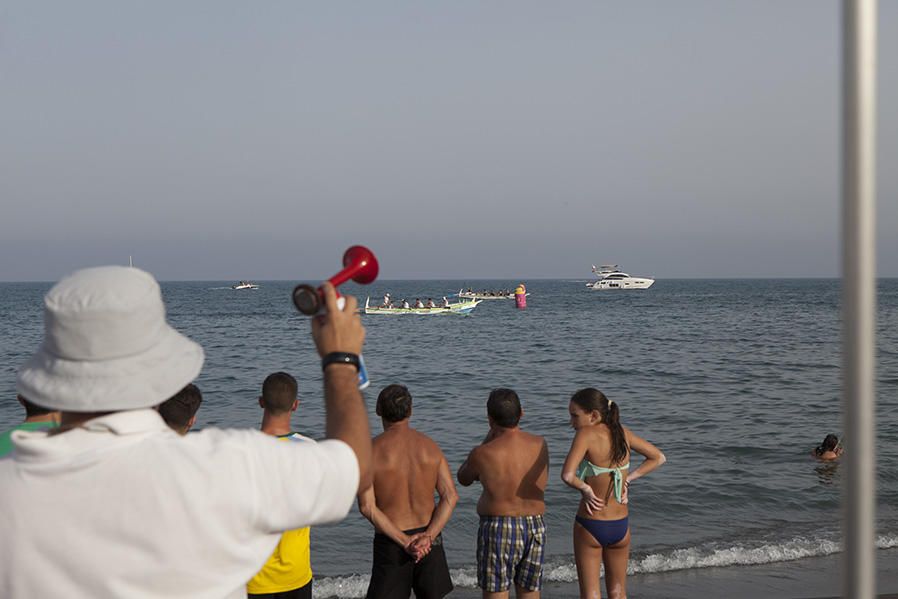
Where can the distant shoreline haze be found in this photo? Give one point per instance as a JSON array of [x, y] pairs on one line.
[[497, 280]]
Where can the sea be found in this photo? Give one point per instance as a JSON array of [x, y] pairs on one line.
[[735, 380]]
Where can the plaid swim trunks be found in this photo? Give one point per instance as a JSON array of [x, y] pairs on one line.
[[510, 548]]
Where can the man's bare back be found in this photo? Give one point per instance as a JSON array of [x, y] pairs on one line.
[[408, 549], [406, 469], [513, 467]]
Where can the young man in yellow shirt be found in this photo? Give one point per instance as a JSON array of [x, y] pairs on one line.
[[288, 572]]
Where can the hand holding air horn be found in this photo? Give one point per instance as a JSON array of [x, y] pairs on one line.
[[360, 265]]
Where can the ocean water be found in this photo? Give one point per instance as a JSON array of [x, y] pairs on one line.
[[735, 380]]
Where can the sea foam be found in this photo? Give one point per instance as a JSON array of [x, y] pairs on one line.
[[563, 569]]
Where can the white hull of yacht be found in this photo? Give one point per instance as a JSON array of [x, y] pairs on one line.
[[618, 284], [611, 278]]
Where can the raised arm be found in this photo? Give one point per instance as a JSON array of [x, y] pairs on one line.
[[653, 456], [346, 418], [569, 473], [468, 472]]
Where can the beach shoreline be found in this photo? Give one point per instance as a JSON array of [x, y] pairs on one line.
[[807, 578]]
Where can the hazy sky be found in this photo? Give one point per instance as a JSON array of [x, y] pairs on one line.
[[257, 140]]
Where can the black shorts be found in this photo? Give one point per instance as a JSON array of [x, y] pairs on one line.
[[394, 573], [303, 592]]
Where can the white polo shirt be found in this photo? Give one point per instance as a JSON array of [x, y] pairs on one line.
[[124, 507]]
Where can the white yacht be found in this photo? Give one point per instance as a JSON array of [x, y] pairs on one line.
[[245, 285], [610, 277]]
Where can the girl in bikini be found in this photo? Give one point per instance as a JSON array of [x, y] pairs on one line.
[[598, 465]]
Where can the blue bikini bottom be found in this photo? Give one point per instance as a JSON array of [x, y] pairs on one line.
[[605, 532]]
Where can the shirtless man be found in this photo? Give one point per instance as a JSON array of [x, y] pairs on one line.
[[513, 468], [409, 466]]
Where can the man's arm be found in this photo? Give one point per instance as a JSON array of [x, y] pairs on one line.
[[448, 499], [381, 522], [346, 419], [468, 472]]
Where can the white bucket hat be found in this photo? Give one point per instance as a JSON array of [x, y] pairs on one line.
[[107, 346]]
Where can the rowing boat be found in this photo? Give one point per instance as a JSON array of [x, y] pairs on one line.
[[456, 308], [484, 295]]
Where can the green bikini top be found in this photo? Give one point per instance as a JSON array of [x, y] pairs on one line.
[[587, 468]]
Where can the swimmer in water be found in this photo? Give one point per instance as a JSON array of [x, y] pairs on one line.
[[829, 450]]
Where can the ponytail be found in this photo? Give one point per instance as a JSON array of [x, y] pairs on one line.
[[590, 399]]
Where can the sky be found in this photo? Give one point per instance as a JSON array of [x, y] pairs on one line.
[[458, 140]]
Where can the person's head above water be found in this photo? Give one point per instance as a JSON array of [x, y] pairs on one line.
[[107, 346], [394, 403], [830, 444], [504, 408]]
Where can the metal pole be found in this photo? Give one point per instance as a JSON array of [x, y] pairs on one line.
[[859, 293]]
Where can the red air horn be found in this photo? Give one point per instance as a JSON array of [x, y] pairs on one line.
[[360, 265]]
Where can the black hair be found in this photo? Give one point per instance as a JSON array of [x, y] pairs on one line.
[[394, 403], [181, 407], [830, 442], [590, 399], [504, 407], [279, 391], [32, 409]]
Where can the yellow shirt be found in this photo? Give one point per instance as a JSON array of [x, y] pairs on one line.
[[290, 566]]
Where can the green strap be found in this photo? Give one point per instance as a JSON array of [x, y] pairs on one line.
[[587, 469]]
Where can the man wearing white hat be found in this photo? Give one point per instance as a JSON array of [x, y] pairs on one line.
[[116, 504]]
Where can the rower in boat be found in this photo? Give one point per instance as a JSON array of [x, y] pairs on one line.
[[445, 302], [430, 303], [387, 302], [419, 303], [405, 305]]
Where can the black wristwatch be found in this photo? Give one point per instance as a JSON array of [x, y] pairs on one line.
[[340, 357]]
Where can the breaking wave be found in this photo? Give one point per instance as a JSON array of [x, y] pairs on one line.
[[714, 555]]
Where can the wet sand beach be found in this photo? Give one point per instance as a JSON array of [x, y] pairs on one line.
[[811, 578]]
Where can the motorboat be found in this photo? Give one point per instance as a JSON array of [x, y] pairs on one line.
[[245, 285], [611, 277], [464, 307]]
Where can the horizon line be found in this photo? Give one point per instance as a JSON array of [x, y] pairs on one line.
[[522, 279]]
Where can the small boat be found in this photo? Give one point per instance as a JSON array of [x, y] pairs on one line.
[[245, 285], [456, 308], [487, 295], [610, 277]]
